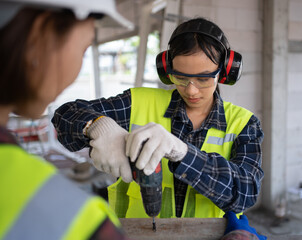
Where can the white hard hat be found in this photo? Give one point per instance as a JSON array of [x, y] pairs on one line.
[[81, 8]]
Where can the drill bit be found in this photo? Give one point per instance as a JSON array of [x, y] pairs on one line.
[[154, 225]]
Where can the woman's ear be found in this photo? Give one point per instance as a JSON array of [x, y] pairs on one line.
[[39, 45], [34, 42]]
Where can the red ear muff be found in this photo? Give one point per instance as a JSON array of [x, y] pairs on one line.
[[232, 68], [162, 62]]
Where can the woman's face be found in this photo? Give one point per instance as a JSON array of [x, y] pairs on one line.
[[64, 64], [197, 63]]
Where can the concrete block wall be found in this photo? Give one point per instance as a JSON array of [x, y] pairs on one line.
[[241, 21], [295, 20], [294, 98]]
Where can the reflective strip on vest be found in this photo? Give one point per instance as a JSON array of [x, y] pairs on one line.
[[220, 141], [51, 202]]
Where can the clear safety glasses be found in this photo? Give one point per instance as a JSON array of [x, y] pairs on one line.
[[198, 80]]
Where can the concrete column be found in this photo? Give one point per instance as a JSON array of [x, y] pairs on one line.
[[172, 9], [171, 6], [275, 58], [96, 68], [144, 30]]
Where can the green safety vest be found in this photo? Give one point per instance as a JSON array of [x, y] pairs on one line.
[[38, 203], [150, 105]]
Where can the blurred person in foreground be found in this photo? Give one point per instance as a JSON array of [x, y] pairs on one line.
[[42, 44]]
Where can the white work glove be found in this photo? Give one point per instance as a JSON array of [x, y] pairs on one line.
[[108, 148], [157, 143]]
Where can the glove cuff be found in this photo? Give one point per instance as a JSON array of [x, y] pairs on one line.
[[101, 127]]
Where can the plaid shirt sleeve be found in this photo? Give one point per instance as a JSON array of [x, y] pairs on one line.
[[232, 185], [70, 119]]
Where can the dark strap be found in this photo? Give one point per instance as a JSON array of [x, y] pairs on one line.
[[7, 137], [108, 231]]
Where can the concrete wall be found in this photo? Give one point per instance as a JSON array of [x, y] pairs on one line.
[[242, 22], [294, 128]]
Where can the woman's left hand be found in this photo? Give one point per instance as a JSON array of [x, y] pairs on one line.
[[148, 144]]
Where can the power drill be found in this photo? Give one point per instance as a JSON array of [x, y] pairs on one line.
[[151, 189]]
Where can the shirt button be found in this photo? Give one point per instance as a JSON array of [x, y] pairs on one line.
[[184, 175], [212, 194]]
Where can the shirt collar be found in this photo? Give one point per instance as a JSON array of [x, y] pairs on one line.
[[216, 118]]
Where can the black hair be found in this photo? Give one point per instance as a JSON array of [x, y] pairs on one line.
[[185, 40]]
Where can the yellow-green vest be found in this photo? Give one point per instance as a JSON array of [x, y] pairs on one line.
[[38, 203], [150, 105]]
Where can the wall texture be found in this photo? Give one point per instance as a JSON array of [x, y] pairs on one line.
[[241, 20], [294, 99]]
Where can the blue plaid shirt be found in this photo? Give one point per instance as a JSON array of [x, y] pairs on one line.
[[232, 185]]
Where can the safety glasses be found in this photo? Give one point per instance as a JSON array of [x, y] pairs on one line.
[[198, 80]]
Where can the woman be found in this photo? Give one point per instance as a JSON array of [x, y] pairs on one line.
[[42, 46], [210, 150]]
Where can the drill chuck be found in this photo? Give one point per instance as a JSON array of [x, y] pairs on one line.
[[151, 188], [152, 200]]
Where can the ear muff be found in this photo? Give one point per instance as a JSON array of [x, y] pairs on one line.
[[232, 68], [162, 62]]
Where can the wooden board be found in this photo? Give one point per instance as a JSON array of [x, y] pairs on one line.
[[182, 229], [175, 228]]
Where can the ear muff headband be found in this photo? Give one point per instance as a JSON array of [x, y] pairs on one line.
[[161, 65], [233, 60], [233, 68], [163, 58], [228, 68]]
